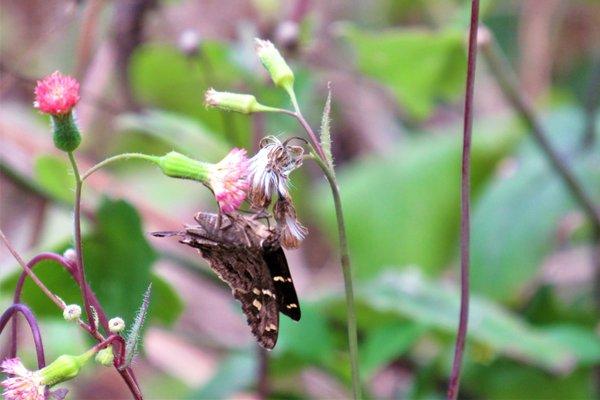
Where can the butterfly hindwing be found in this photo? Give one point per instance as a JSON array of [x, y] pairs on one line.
[[283, 283]]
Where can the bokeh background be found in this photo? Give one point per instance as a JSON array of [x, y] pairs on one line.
[[397, 71]]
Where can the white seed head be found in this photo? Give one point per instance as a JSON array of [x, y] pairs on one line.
[[72, 312], [116, 325]]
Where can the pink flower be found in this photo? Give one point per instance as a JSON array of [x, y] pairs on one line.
[[21, 384], [228, 180], [56, 94]]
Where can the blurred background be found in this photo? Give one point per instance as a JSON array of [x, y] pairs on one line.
[[397, 72]]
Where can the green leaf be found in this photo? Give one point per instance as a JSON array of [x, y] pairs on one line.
[[581, 341], [237, 372], [54, 175], [508, 380], [386, 343], [427, 302], [419, 66], [402, 208], [310, 339], [161, 76], [118, 264], [515, 220], [181, 133]]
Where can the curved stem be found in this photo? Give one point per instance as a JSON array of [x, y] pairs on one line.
[[72, 269], [29, 272], [19, 289], [124, 156], [314, 141], [35, 329], [85, 292], [465, 206], [347, 272]]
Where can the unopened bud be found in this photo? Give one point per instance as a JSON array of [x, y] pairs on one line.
[[72, 312], [176, 165], [116, 325], [242, 103], [280, 72], [105, 357], [70, 255], [63, 368]]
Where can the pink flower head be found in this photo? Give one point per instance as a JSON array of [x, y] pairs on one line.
[[56, 94], [21, 384], [228, 180]]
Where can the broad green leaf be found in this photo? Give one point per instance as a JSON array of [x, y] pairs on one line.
[[581, 341], [427, 302], [309, 339], [161, 76], [515, 220], [183, 134], [236, 373], [508, 380], [54, 175], [118, 264], [387, 342], [419, 66], [403, 208], [118, 259]]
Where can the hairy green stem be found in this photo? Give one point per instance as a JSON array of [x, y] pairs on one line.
[[118, 157], [347, 272]]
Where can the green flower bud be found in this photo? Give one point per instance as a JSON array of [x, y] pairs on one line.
[[176, 165], [64, 368], [280, 72], [242, 103], [66, 134], [105, 357]]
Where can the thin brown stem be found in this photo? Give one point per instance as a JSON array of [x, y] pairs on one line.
[[465, 207]]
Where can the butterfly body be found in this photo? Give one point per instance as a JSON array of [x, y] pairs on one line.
[[247, 255]]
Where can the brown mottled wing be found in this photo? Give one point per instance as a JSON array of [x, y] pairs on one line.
[[282, 280], [236, 257], [246, 273]]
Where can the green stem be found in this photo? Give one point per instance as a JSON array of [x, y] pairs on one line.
[[79, 245], [347, 272], [124, 156]]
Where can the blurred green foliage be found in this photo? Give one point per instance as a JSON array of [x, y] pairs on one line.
[[529, 338]]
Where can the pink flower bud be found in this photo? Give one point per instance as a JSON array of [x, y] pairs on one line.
[[56, 94]]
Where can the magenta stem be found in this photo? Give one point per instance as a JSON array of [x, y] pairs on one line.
[[33, 325], [465, 206]]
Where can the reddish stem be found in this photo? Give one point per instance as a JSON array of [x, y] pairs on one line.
[[72, 269], [33, 325], [465, 229]]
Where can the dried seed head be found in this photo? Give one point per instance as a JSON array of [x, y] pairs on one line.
[[270, 169], [292, 231]]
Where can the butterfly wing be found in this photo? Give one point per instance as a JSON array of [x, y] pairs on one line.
[[283, 282], [245, 271]]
